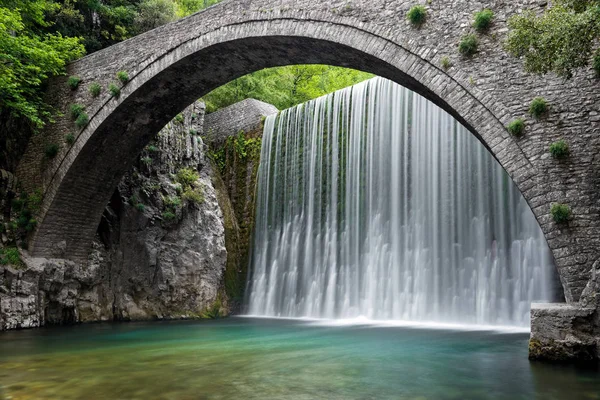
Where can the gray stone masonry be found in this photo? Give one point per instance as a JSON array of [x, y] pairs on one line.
[[175, 64], [243, 116]]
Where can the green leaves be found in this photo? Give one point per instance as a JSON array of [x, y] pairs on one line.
[[28, 57], [560, 40]]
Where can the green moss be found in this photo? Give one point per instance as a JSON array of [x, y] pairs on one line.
[[468, 45], [152, 149], [516, 127], [74, 82], [187, 176], [417, 15], [561, 213], [146, 160], [168, 216], [538, 107], [214, 310], [95, 89], [123, 77], [194, 195], [179, 118], [482, 20], [140, 207], [559, 149]]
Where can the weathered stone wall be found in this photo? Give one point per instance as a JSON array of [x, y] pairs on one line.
[[173, 65]]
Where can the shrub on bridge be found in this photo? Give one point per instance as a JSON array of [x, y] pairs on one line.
[[123, 77], [561, 213], [74, 82], [70, 139], [468, 45], [538, 107], [482, 20], [445, 63], [516, 127], [114, 90], [82, 120], [559, 149], [417, 15], [11, 256], [76, 110], [95, 89], [51, 150]]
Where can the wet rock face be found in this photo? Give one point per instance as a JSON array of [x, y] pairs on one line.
[[159, 251]]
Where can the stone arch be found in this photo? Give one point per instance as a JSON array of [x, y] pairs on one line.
[[211, 48]]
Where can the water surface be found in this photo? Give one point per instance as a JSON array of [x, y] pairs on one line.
[[245, 358]]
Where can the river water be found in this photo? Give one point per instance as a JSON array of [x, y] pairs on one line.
[[245, 358]]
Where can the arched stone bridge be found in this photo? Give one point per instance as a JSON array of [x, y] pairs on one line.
[[173, 65]]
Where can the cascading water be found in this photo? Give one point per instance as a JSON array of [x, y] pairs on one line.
[[373, 202]]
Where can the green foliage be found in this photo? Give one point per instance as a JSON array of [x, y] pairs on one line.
[[114, 90], [561, 213], [11, 256], [172, 201], [168, 216], [140, 207], [51, 150], [146, 160], [179, 118], [70, 139], [417, 15], [559, 149], [516, 127], [560, 40], [187, 176], [152, 148], [193, 132], [596, 63], [76, 110], [284, 87], [445, 63], [214, 311], [468, 45], [74, 82], [123, 77], [82, 120], [538, 107], [95, 89], [482, 20], [154, 13], [29, 55], [194, 195]]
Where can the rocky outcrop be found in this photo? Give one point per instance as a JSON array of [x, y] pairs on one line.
[[567, 332], [159, 252]]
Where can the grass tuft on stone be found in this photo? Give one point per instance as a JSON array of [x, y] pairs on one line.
[[559, 149], [123, 77], [417, 15], [74, 82], [516, 127], [482, 20], [446, 63], [561, 213], [538, 107], [76, 110], [51, 150], [114, 90], [468, 45], [95, 89], [70, 139], [82, 120]]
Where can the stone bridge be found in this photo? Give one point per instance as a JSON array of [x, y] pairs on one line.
[[175, 64]]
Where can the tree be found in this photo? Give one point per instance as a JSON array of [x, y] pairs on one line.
[[560, 40], [28, 56]]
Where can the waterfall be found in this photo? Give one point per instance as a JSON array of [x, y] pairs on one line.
[[373, 202]]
